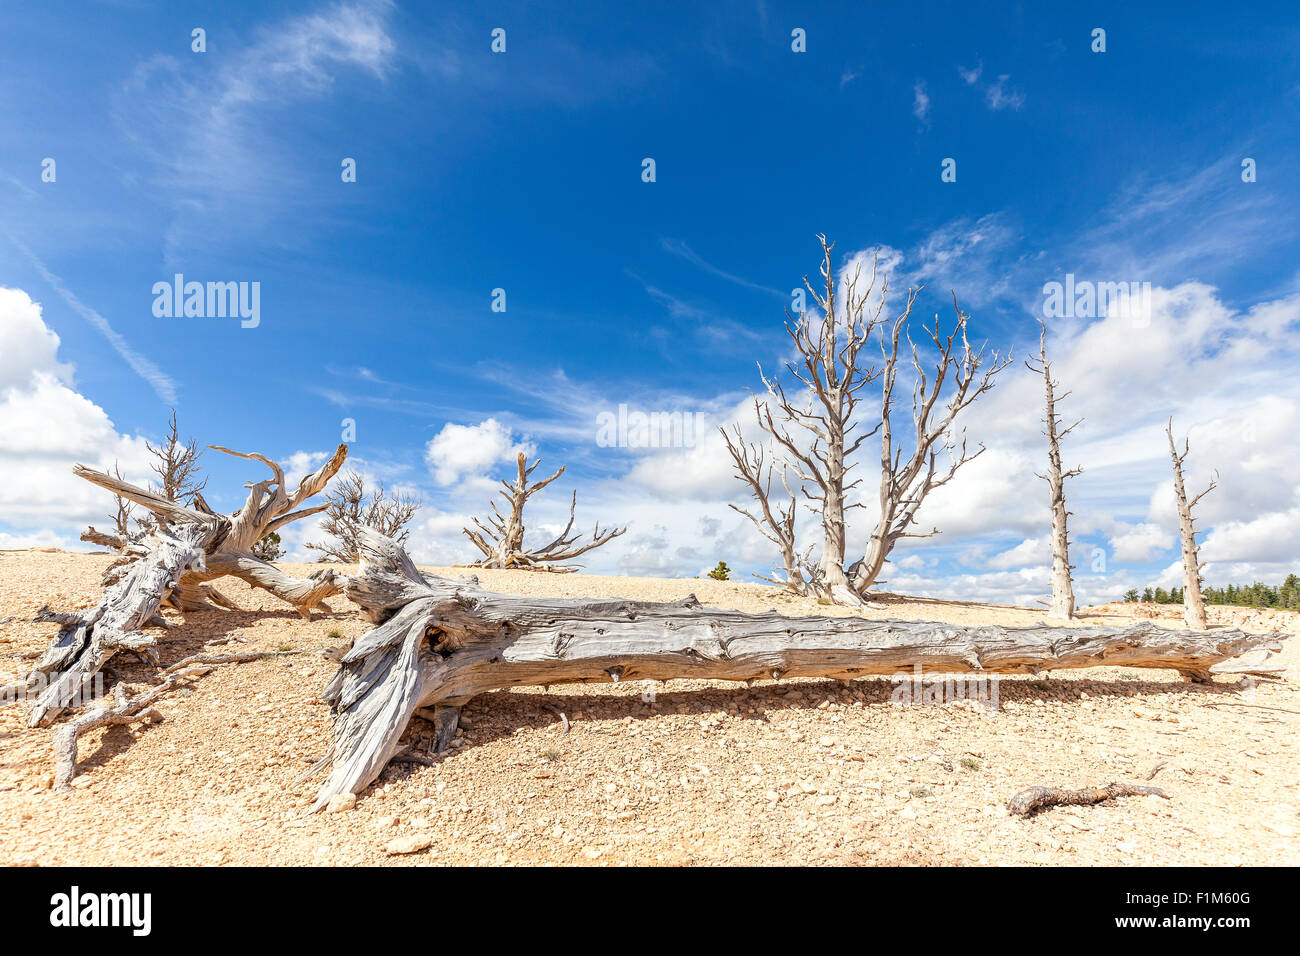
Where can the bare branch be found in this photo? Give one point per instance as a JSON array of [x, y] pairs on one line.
[[351, 507]]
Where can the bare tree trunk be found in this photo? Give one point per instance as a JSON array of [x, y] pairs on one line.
[[438, 643], [1062, 606], [115, 541], [89, 638], [1193, 603], [831, 564], [818, 439]]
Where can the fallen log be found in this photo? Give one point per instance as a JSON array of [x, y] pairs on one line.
[[168, 565], [438, 643]]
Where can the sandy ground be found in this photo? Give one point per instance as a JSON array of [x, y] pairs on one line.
[[804, 772]]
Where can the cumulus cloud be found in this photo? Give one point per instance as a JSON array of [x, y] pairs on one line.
[[460, 451], [48, 427], [1140, 542], [1031, 551], [1223, 373]]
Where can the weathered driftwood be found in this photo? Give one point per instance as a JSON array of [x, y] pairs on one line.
[[167, 564], [269, 507], [104, 539], [87, 639], [440, 642], [1036, 799]]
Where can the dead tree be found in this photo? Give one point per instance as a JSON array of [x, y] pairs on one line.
[[1193, 603], [905, 483], [438, 643], [169, 565], [1062, 605], [177, 465], [776, 521], [350, 508], [120, 536], [501, 539], [816, 435]]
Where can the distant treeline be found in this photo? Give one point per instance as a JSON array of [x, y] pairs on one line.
[[1285, 595]]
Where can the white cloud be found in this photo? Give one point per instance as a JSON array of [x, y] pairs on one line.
[[437, 539], [1269, 538], [997, 95], [231, 116], [702, 472], [1031, 551], [1139, 543], [48, 427], [460, 451], [1001, 97], [26, 343], [920, 102]]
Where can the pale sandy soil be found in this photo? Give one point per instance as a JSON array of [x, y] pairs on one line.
[[804, 772]]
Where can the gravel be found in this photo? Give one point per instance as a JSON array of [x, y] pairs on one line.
[[808, 772]]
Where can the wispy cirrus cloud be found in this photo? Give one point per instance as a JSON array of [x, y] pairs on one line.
[[162, 383], [679, 248], [213, 136], [999, 94]]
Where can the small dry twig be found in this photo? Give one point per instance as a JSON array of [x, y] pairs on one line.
[[1151, 774], [128, 710], [1036, 799], [1237, 703], [560, 713]]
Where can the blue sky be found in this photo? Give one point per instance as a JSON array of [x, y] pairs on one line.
[[522, 171]]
